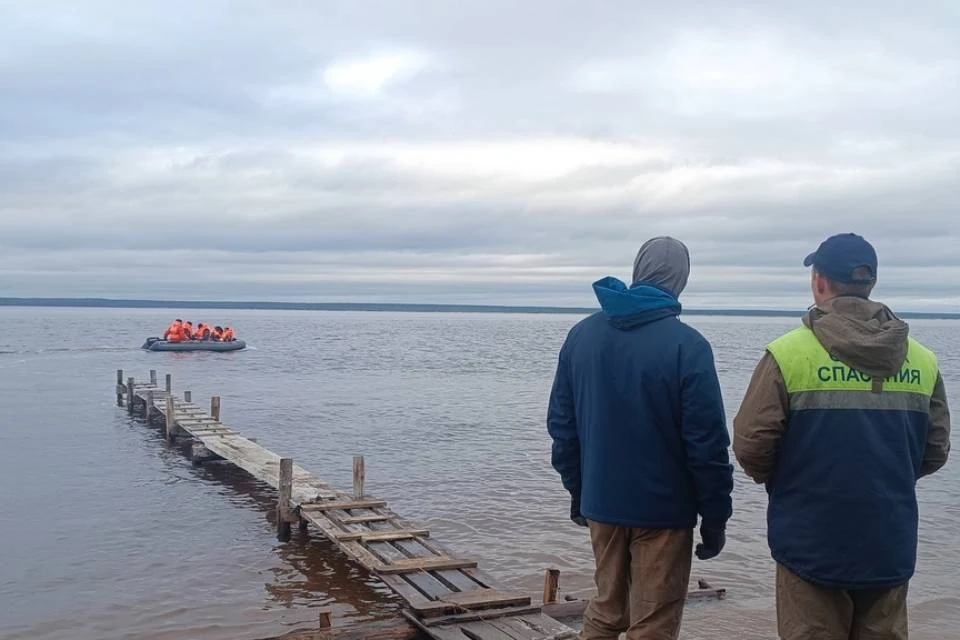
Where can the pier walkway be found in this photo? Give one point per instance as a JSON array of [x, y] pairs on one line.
[[446, 597]]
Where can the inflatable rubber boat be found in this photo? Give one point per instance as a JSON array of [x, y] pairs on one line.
[[158, 344]]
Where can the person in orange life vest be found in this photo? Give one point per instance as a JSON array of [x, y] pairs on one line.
[[174, 332], [188, 330], [228, 335], [217, 334], [203, 332]]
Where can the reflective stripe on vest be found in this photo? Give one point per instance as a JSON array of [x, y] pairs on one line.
[[817, 380]]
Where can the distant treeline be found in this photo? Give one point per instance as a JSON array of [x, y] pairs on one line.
[[385, 306]]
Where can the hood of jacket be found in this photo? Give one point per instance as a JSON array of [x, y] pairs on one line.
[[629, 307], [863, 334]]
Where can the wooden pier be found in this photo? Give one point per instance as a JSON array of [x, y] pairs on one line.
[[446, 597]]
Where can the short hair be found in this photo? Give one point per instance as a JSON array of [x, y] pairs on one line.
[[178, 320], [862, 285]]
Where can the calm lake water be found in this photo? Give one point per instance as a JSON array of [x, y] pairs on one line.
[[106, 533]]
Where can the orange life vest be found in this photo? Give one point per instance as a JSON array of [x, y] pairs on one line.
[[173, 332], [228, 335], [202, 333], [217, 334]]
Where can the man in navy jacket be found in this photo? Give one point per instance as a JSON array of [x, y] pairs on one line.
[[640, 441]]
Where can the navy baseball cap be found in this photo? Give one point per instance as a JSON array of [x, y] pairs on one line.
[[839, 255]]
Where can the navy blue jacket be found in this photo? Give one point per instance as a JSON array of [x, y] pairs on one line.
[[636, 416]]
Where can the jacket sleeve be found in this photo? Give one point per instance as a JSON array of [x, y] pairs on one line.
[[562, 427], [761, 421], [706, 440], [938, 433]]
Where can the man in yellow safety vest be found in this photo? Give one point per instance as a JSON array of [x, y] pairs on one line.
[[842, 417]]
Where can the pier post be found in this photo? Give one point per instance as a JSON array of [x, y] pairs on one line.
[[551, 585], [187, 396], [153, 377], [358, 476], [169, 383], [326, 618], [283, 505], [215, 408], [148, 406], [171, 419], [130, 396], [119, 384]]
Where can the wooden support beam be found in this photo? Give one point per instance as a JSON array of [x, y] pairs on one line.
[[283, 504], [171, 417], [148, 406], [430, 563], [187, 396], [169, 383], [325, 618], [215, 408], [153, 377], [131, 396], [383, 536], [551, 585], [119, 385], [358, 477], [346, 505], [200, 454]]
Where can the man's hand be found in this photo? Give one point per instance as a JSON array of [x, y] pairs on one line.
[[575, 514], [714, 538]]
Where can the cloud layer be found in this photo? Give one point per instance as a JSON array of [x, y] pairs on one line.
[[472, 152]]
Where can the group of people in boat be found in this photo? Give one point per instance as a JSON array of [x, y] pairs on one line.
[[180, 331]]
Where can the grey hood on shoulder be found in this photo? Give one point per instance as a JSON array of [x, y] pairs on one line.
[[861, 333]]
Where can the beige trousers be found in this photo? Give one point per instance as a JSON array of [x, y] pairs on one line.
[[642, 577], [809, 612]]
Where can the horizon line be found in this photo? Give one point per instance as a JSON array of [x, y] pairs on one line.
[[147, 303]]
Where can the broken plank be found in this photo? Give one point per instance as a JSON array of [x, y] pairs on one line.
[[458, 618], [376, 517], [336, 505], [433, 563], [383, 536], [480, 598]]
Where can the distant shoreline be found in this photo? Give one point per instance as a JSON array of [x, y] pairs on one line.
[[110, 303]]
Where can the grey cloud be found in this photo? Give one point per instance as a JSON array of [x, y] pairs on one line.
[[205, 134]]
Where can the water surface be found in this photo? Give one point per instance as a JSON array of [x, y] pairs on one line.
[[108, 533]]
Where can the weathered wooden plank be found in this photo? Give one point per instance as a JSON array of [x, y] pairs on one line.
[[383, 536], [374, 517], [482, 598], [366, 559], [419, 548], [345, 505], [535, 626], [471, 616], [433, 563]]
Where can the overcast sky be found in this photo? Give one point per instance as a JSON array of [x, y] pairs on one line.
[[474, 151]]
